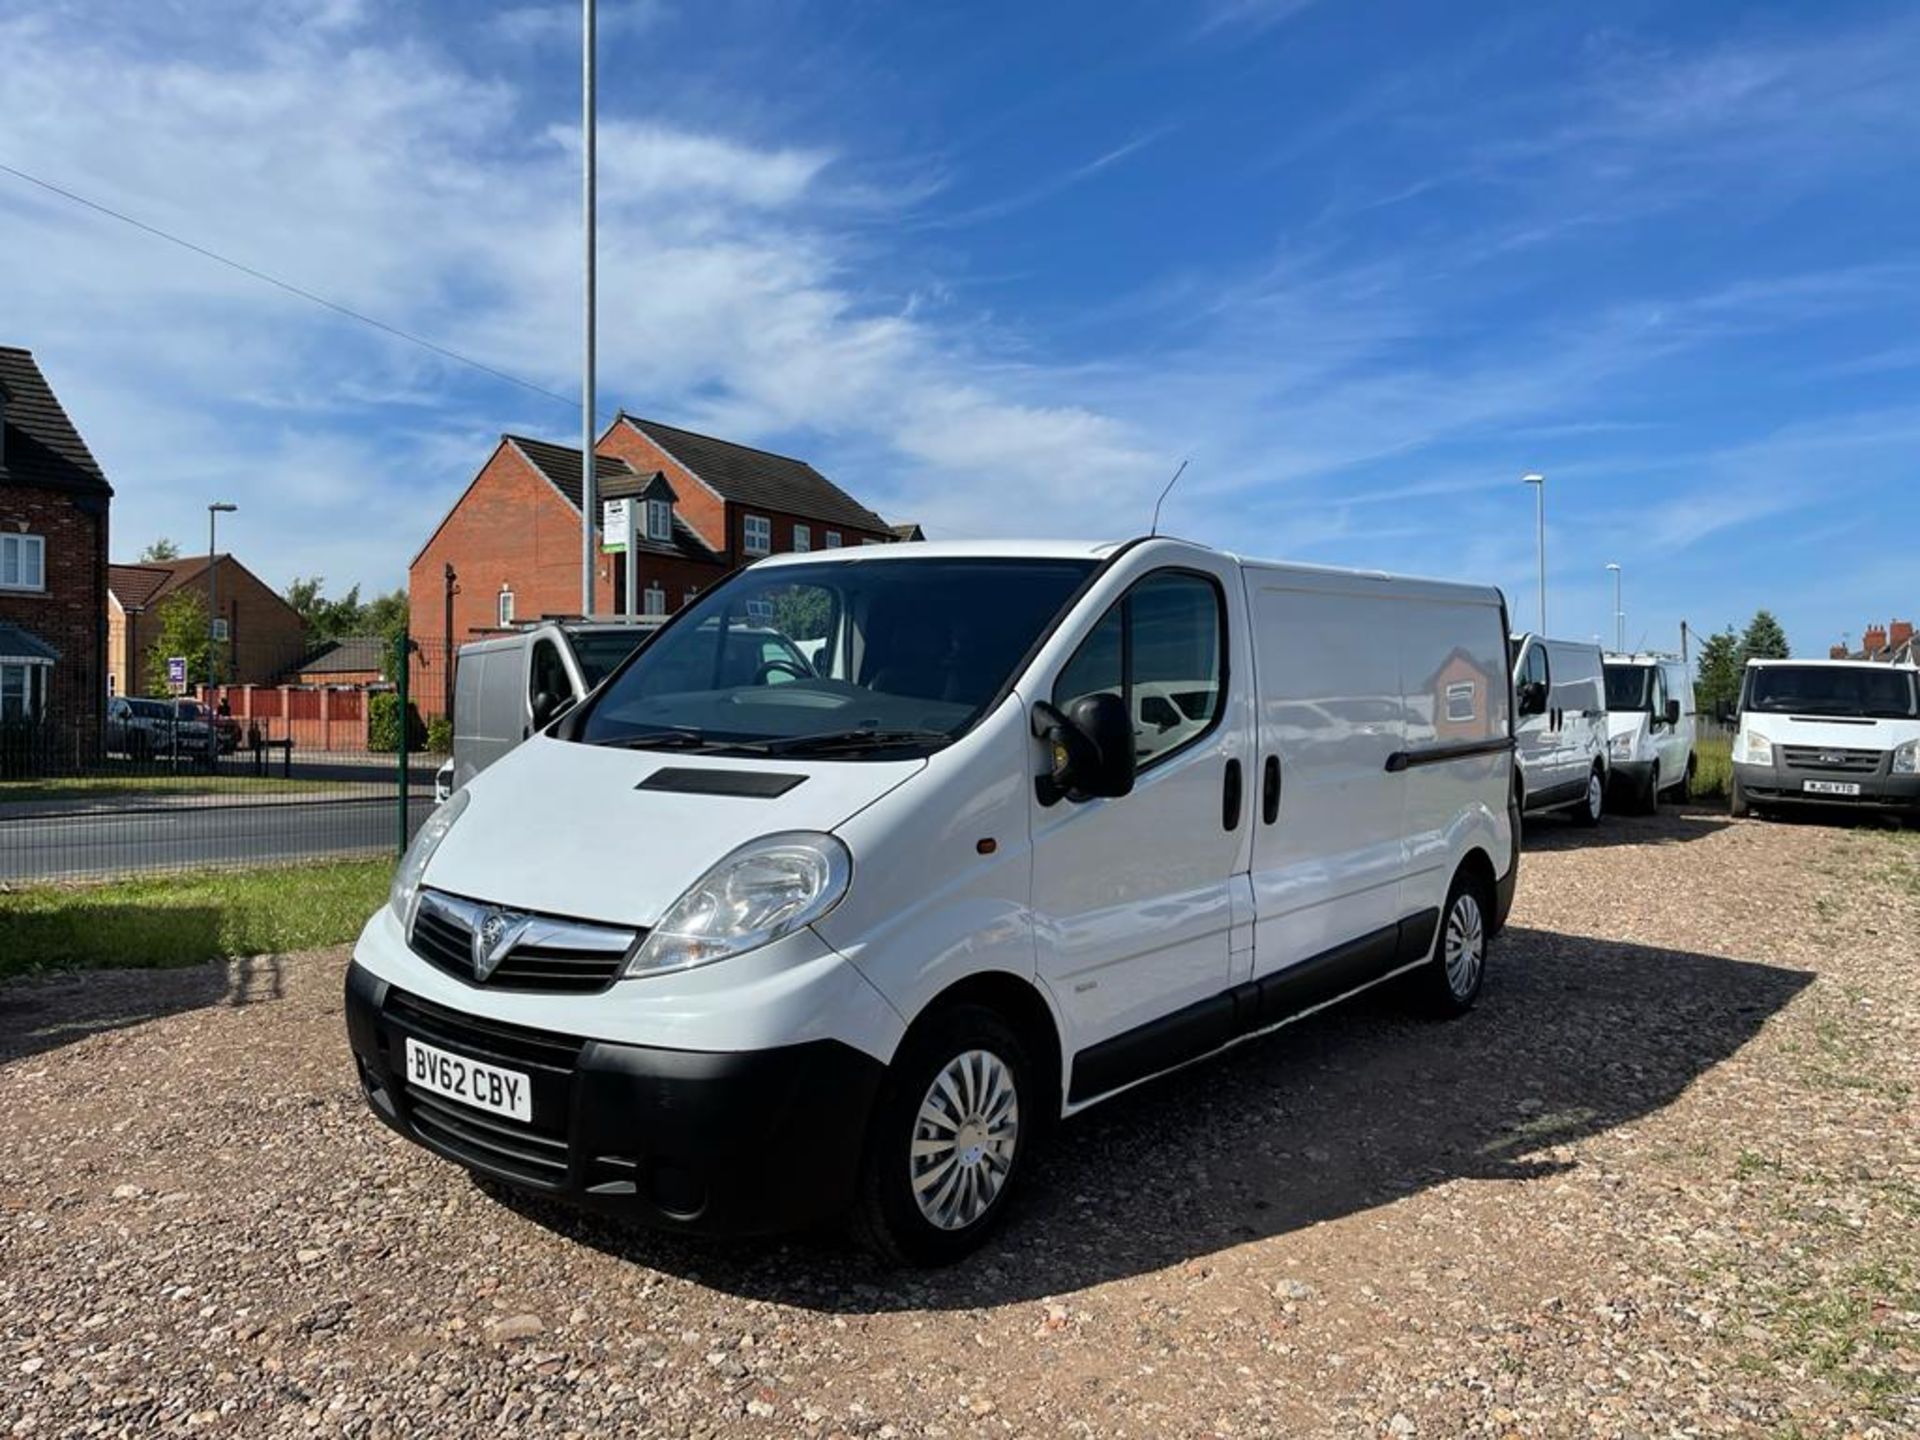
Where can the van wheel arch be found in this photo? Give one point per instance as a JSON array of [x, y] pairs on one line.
[[1022, 1006], [1477, 863]]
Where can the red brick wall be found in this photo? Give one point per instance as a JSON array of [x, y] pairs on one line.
[[513, 527], [781, 522], [703, 509], [71, 613]]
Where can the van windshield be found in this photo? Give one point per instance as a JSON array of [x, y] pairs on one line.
[[1629, 687], [1881, 693], [844, 658]]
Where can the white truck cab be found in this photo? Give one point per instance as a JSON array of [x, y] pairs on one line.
[[1827, 732], [739, 948], [1650, 726], [1560, 727]]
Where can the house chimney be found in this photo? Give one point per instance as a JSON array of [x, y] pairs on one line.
[[1874, 641], [1899, 633], [1837, 652]]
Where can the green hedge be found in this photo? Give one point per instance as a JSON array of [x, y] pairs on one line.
[[440, 735], [383, 723]]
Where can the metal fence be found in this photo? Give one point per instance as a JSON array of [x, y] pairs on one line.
[[224, 777]]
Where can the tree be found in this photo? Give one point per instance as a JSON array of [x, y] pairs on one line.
[[1764, 639], [1719, 677], [387, 616], [160, 550], [183, 632]]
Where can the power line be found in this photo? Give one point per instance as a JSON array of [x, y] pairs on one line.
[[289, 287]]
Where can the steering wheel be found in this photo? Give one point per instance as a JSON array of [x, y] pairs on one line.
[[777, 666]]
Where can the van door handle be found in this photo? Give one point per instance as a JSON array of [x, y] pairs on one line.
[[1230, 797], [1270, 790]]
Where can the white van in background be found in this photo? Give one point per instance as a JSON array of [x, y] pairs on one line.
[[508, 686], [1828, 732], [1560, 727], [738, 949], [1650, 726]]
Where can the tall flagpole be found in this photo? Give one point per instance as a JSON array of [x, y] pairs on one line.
[[588, 488]]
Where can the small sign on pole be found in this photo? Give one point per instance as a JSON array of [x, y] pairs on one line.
[[177, 672], [616, 525]]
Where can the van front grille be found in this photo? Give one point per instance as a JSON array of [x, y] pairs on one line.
[[553, 954], [1831, 758]]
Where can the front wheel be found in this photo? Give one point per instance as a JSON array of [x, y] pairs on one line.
[[1737, 805], [949, 1138], [1589, 810]]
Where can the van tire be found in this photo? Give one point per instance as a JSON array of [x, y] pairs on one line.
[[887, 1217], [1446, 989], [1737, 805], [1593, 808], [1649, 797]]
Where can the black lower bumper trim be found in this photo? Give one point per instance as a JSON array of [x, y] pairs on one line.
[[1769, 785], [708, 1142]]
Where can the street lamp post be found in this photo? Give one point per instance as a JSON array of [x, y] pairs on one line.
[[588, 489], [214, 512], [1619, 612], [1539, 482]]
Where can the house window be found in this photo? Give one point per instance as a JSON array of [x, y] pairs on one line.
[[803, 537], [759, 532], [833, 539], [653, 600], [659, 520], [506, 607], [220, 628], [23, 691], [23, 562]]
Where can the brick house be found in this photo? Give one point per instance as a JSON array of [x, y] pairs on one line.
[[264, 635], [1891, 644], [54, 504], [706, 507]]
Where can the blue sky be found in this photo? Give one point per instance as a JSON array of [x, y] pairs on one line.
[[999, 268]]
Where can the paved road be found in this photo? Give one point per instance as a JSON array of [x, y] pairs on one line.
[[129, 842]]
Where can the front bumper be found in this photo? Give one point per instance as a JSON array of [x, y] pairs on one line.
[[1781, 785], [1630, 775], [734, 1143]]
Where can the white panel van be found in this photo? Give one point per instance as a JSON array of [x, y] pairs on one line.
[[1560, 727], [1650, 727], [1827, 732], [739, 950]]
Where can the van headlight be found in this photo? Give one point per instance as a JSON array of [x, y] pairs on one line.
[[1906, 758], [1621, 746], [767, 888], [1758, 749], [413, 865]]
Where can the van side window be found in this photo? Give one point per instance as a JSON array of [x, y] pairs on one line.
[[1161, 649], [1536, 667], [548, 673]]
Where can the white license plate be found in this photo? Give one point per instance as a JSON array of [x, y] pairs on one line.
[[1830, 787], [471, 1082]]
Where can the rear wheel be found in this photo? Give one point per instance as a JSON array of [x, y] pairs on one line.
[[1590, 809], [949, 1138], [1449, 983], [1737, 804]]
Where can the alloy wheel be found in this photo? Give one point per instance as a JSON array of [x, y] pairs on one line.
[[1465, 944], [964, 1138]]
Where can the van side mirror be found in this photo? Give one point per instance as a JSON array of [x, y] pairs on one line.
[[548, 707], [1673, 712], [1533, 698], [1089, 747]]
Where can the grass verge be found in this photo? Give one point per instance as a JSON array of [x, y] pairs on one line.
[[107, 787], [1713, 769], [187, 919]]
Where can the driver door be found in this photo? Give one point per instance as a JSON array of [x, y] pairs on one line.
[[1536, 742]]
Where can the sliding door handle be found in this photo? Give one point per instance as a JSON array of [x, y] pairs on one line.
[[1270, 790], [1230, 797]]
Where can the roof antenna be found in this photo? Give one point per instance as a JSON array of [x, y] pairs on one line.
[[1163, 496]]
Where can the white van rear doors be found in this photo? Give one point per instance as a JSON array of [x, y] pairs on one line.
[[1131, 896]]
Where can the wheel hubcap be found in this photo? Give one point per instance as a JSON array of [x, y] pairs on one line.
[[964, 1139], [1466, 945], [1593, 796]]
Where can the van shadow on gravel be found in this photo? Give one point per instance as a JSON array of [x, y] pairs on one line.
[[1348, 1110], [42, 1013], [1669, 825]]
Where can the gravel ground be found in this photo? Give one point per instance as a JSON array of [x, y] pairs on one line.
[[1665, 1180]]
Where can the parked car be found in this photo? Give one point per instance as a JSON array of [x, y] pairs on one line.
[[1827, 732], [508, 686], [1650, 727], [733, 948], [142, 728], [206, 725], [1560, 733]]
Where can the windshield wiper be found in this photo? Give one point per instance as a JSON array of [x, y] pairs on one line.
[[680, 737], [853, 740]]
